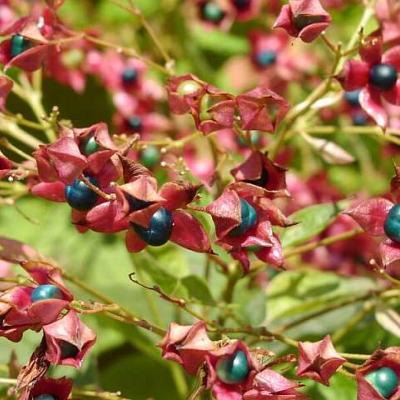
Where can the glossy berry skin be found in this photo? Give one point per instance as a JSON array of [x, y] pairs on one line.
[[242, 5], [159, 229], [135, 123], [353, 97], [46, 292], [79, 196], [212, 12], [383, 76], [90, 146], [68, 350], [18, 45], [254, 139], [233, 369], [136, 204], [360, 119], [265, 58], [384, 380], [248, 219], [45, 397], [150, 156], [129, 76], [392, 224]]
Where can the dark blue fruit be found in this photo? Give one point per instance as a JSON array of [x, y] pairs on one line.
[[135, 123], [383, 76], [248, 216], [159, 230], [46, 292], [242, 5], [129, 76], [233, 369], [265, 58], [353, 97], [80, 196], [18, 45], [392, 224], [45, 397], [136, 204], [360, 119]]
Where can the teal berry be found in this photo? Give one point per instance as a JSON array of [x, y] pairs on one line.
[[79, 196], [353, 97], [360, 119], [248, 219], [150, 156], [212, 12], [233, 369], [46, 292], [159, 230], [254, 139], [265, 58], [45, 397], [68, 350], [383, 76], [392, 224], [91, 146], [384, 380], [18, 45], [129, 76], [135, 123]]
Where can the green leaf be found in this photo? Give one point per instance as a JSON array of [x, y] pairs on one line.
[[253, 307], [198, 289], [310, 222], [389, 319], [220, 42], [294, 293]]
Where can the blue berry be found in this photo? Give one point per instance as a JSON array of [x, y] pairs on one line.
[[384, 380], [46, 292], [129, 76], [18, 45], [90, 146], [392, 223], [159, 229], [45, 397], [136, 204], [135, 123], [248, 219], [383, 76], [353, 97], [80, 196], [233, 369], [265, 58], [212, 12], [360, 119], [242, 5]]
